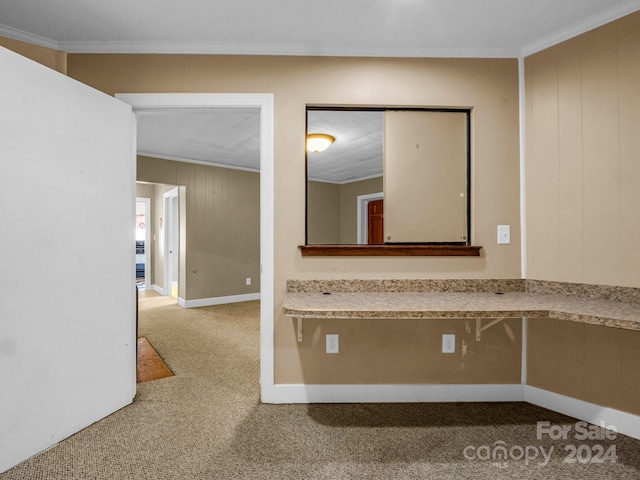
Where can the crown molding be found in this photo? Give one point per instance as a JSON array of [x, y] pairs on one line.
[[123, 47], [284, 50], [197, 162], [21, 35], [579, 28]]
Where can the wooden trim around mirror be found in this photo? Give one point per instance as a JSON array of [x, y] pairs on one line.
[[389, 250]]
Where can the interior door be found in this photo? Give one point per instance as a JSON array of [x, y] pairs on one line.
[[172, 246], [67, 303], [375, 222]]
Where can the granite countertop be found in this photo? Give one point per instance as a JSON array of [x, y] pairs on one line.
[[436, 305]]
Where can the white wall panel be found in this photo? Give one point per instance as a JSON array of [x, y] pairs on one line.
[[67, 309]]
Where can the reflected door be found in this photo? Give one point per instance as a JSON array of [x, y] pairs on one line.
[[375, 222]]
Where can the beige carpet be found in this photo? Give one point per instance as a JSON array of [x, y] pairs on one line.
[[206, 422]]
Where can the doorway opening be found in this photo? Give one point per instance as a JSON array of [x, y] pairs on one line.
[[265, 103], [171, 243], [363, 215], [143, 243]]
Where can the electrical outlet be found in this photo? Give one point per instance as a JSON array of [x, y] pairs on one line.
[[333, 343], [448, 343], [248, 281]]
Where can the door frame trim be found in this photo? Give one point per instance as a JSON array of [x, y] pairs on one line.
[[158, 102], [362, 203], [167, 199]]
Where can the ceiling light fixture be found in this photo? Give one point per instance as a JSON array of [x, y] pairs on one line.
[[317, 142]]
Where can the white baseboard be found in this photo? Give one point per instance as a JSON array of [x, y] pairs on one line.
[[159, 290], [625, 423], [395, 393], [206, 302]]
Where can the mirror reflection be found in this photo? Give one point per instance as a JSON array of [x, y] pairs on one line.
[[390, 176]]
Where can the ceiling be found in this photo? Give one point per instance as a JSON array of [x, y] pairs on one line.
[[405, 28], [478, 28], [356, 153], [220, 136]]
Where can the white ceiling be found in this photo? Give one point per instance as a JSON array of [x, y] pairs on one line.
[[416, 28], [477, 28], [357, 151], [221, 136]]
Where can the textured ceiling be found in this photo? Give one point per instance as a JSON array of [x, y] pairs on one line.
[[228, 137], [231, 137], [422, 28], [357, 150]]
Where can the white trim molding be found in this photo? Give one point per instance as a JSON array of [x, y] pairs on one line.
[[23, 36], [625, 423], [207, 302], [586, 25], [197, 162], [362, 213], [291, 393]]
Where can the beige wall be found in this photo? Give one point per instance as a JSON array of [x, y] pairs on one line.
[[583, 160], [582, 199], [588, 362], [222, 227], [377, 351], [323, 213], [46, 56], [144, 190], [332, 210], [348, 206], [488, 86], [425, 174]]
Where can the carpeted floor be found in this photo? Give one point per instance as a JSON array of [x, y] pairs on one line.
[[206, 422]]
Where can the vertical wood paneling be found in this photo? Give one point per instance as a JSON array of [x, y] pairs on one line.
[[598, 148], [629, 88], [601, 165], [571, 189], [542, 220], [222, 227], [208, 227]]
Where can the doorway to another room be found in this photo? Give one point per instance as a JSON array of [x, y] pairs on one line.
[[143, 243], [171, 242], [146, 105]]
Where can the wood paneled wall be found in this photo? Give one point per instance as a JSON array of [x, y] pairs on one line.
[[583, 158], [222, 235]]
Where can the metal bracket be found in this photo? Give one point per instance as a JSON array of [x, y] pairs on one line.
[[480, 328], [299, 329]]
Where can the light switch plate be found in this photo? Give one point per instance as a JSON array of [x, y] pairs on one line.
[[504, 234]]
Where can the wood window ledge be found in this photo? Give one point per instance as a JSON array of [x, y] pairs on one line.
[[412, 250]]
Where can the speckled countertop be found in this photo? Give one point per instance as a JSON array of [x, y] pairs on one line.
[[465, 304]]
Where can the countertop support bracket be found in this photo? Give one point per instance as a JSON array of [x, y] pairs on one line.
[[480, 328]]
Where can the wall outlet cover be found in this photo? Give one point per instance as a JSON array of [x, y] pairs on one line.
[[333, 343], [448, 343]]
